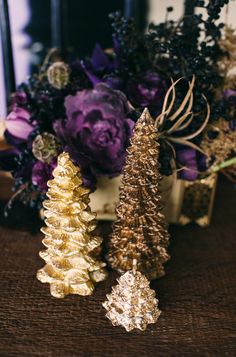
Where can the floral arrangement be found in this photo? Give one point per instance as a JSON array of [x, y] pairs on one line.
[[88, 107]]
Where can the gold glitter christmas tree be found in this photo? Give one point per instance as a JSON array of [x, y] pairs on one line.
[[140, 231], [132, 304], [71, 255]]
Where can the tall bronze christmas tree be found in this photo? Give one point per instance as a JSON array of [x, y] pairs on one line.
[[72, 265], [140, 231]]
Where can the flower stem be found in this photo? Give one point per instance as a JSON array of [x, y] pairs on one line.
[[224, 164]]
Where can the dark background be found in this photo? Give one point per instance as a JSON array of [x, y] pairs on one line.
[[88, 22]]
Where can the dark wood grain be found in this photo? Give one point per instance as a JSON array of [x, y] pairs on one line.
[[197, 298]]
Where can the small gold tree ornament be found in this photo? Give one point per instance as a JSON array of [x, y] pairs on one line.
[[132, 303], [140, 231], [72, 265]]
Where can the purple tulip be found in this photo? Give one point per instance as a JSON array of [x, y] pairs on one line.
[[18, 123], [96, 132], [187, 157], [100, 60], [41, 173], [94, 79], [14, 141], [100, 68], [113, 81], [146, 90]]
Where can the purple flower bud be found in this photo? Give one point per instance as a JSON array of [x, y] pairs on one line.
[[187, 158], [41, 173], [18, 123], [146, 90]]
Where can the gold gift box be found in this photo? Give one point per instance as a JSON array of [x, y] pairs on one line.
[[198, 200]]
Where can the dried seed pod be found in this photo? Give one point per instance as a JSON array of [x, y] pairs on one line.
[[58, 75], [45, 147]]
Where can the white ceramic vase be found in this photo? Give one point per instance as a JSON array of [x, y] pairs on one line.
[[106, 196], [184, 201]]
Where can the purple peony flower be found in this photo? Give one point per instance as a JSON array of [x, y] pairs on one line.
[[96, 132], [18, 123], [41, 173], [147, 90]]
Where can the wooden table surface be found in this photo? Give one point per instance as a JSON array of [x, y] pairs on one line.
[[197, 298]]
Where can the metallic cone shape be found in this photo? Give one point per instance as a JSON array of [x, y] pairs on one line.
[[140, 231], [132, 304], [71, 255]]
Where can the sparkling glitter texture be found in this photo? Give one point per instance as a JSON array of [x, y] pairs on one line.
[[72, 265], [217, 150], [132, 304], [140, 231]]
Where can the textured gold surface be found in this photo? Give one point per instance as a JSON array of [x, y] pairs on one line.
[[198, 201], [228, 45], [71, 255], [140, 231], [132, 304], [219, 148]]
